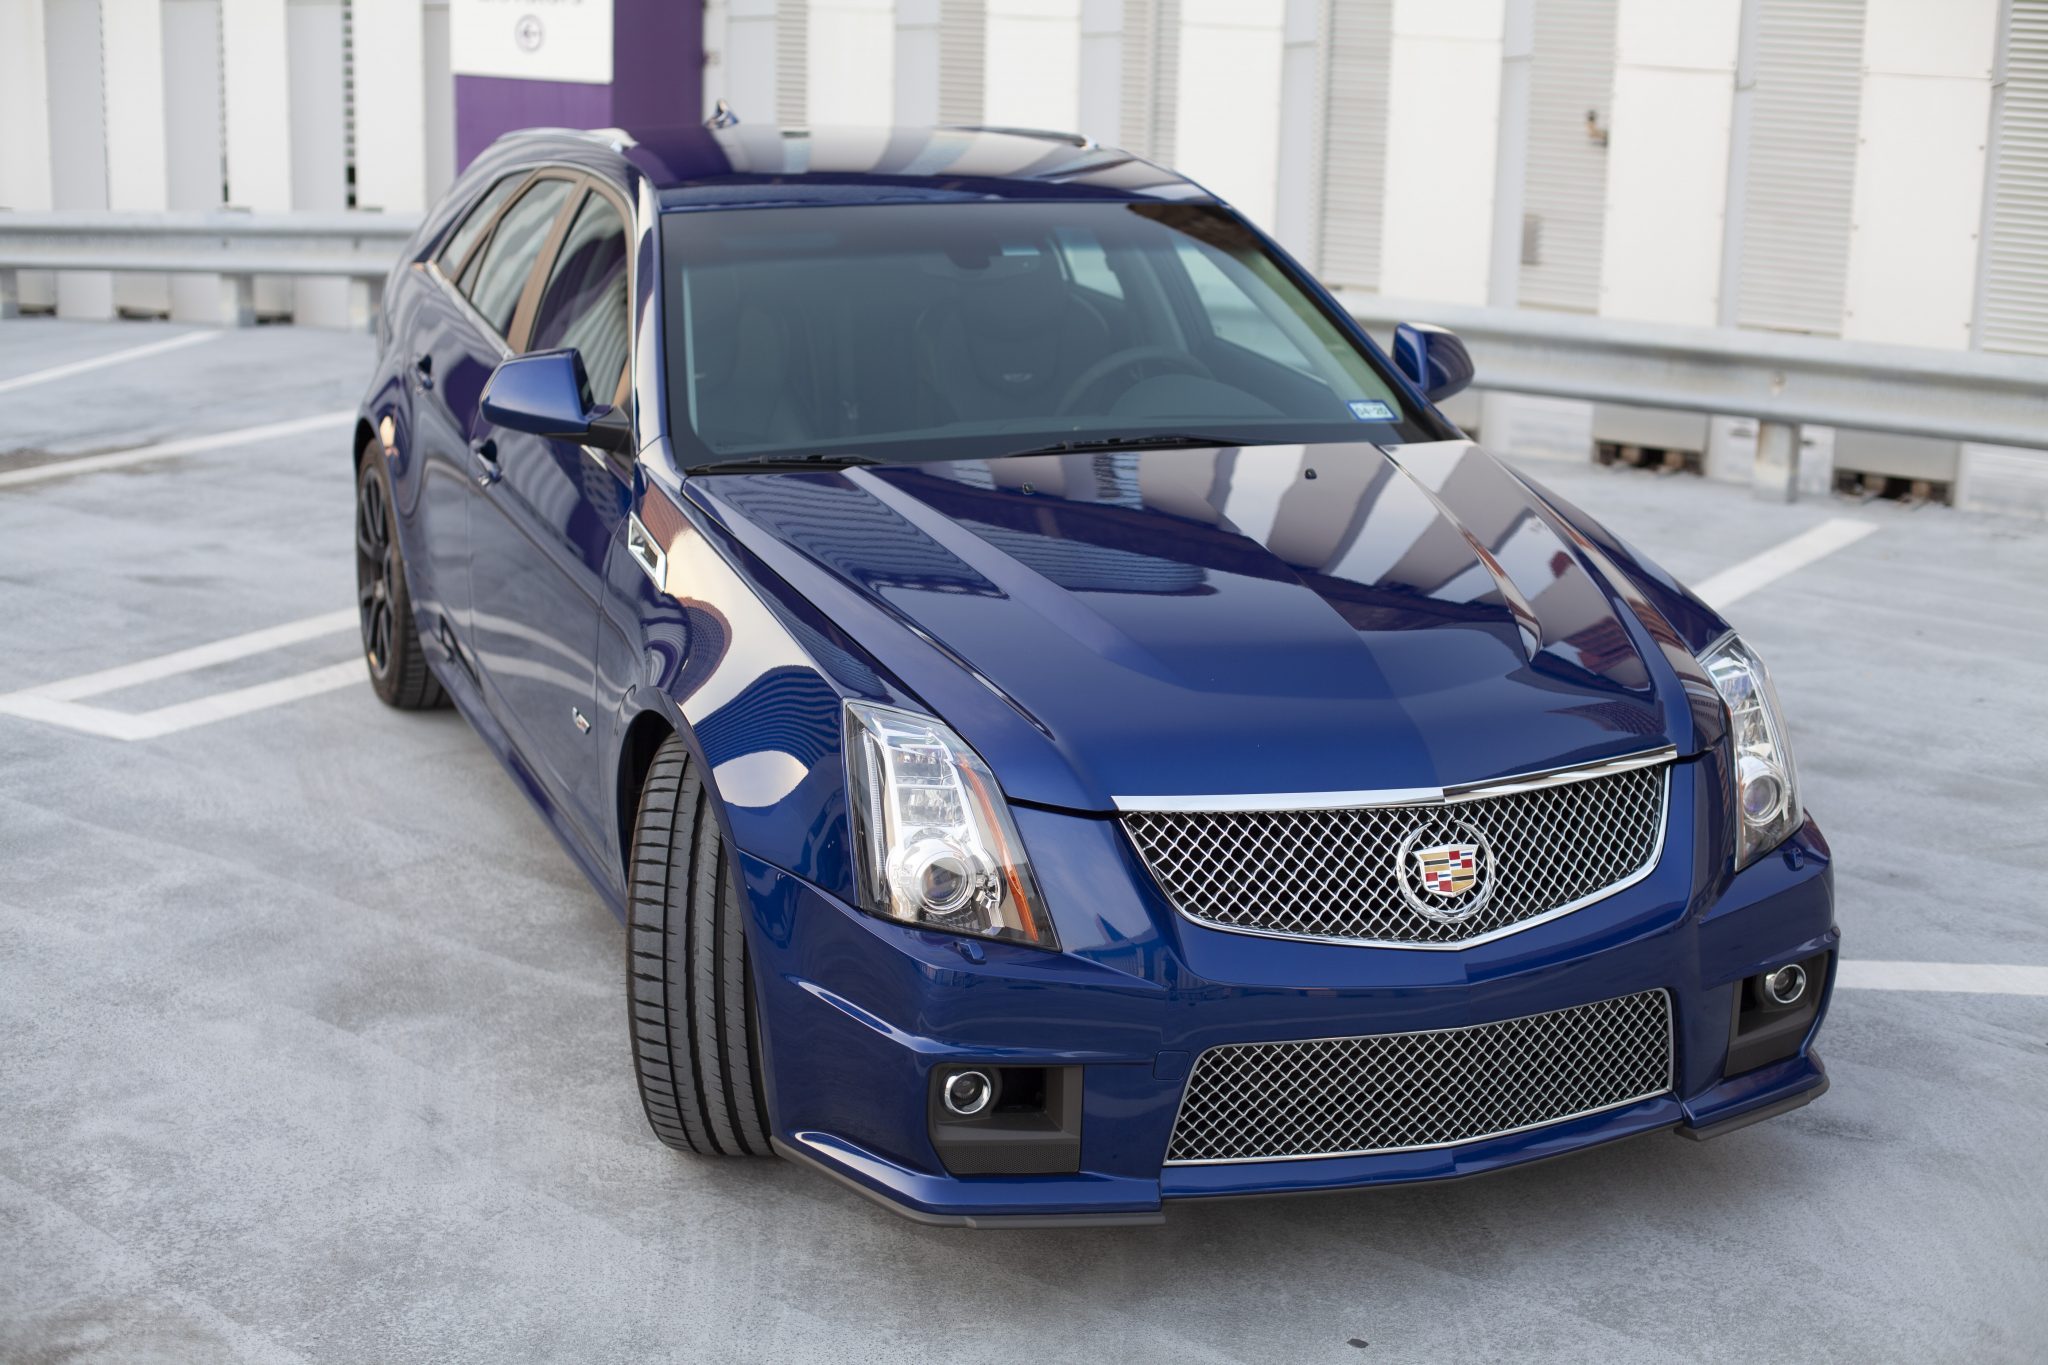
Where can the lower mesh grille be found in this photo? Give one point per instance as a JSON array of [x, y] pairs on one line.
[[1395, 1092]]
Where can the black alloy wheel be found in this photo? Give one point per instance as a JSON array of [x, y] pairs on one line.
[[391, 641]]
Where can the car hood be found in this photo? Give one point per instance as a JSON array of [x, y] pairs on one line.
[[1232, 622]]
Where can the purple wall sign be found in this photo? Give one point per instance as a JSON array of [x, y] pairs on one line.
[[657, 70]]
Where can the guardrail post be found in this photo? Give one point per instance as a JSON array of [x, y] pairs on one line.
[[1776, 476], [238, 300]]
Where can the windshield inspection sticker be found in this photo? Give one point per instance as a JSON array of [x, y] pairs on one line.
[[1371, 410]]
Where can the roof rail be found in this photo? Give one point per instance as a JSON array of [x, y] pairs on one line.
[[1043, 134]]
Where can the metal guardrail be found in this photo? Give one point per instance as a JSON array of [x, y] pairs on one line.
[[1777, 378], [234, 245]]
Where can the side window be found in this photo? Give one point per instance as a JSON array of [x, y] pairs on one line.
[[472, 227], [507, 259], [1232, 314], [584, 302], [1088, 263]]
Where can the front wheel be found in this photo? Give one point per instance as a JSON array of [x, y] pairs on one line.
[[391, 641], [689, 986]]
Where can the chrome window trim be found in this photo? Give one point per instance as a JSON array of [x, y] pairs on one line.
[[1395, 796], [1669, 1087]]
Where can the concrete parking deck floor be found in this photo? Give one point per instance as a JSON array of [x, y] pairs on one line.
[[312, 1044]]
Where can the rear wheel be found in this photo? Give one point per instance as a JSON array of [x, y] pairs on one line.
[[391, 641], [689, 985]]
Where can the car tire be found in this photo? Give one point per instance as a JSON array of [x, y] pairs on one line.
[[391, 638], [689, 981]]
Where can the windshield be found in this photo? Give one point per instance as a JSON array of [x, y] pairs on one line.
[[959, 331]]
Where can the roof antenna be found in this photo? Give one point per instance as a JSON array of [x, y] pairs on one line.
[[722, 116]]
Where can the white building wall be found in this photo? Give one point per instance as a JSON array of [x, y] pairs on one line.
[[1227, 112], [1032, 66], [1920, 169], [1099, 109], [132, 62], [1443, 127], [1667, 160], [390, 105], [78, 144], [852, 57], [25, 131], [194, 173]]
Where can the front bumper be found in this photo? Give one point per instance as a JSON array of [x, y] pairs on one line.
[[856, 1013]]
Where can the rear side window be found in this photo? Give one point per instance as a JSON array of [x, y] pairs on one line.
[[584, 303], [507, 260], [473, 226]]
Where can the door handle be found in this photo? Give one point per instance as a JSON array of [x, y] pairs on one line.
[[423, 369], [486, 453]]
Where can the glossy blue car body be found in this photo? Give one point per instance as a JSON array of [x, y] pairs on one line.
[[1091, 649]]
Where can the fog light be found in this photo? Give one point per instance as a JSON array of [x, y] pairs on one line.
[[1786, 985], [969, 1092]]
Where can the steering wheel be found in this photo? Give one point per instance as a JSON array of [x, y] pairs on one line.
[[1124, 359]]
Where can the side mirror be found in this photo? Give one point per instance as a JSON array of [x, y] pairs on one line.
[[1433, 359], [542, 393]]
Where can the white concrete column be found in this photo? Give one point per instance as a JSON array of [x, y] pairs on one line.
[[437, 101], [256, 88], [25, 145], [1443, 127], [1298, 157], [1919, 198], [194, 168], [132, 61], [852, 63], [319, 143], [749, 59], [78, 140], [1667, 159], [1099, 113], [1227, 115], [390, 105], [1032, 66]]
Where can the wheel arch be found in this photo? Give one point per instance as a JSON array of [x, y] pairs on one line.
[[365, 434], [643, 738]]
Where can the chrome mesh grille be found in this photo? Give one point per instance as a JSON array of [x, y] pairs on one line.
[[1400, 1091], [1350, 873]]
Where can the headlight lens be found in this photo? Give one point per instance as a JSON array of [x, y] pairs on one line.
[[1766, 792], [936, 845]]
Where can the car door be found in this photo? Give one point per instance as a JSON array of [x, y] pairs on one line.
[[545, 513], [450, 358], [459, 342]]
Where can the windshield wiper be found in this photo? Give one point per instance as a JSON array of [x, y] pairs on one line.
[[824, 459], [1163, 441]]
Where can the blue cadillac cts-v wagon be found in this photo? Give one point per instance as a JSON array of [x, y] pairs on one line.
[[1067, 723]]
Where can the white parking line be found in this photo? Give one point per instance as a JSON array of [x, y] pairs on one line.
[[1732, 584], [59, 703], [1963, 978], [163, 450], [22, 381]]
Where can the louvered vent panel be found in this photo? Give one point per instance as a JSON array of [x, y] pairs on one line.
[[1572, 72], [1359, 38], [2016, 278], [792, 62], [1802, 165], [963, 40], [1151, 77]]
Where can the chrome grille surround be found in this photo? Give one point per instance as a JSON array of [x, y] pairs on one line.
[[1335, 868], [1406, 1092]]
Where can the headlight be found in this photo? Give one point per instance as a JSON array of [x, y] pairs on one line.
[[934, 838], [1766, 792]]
